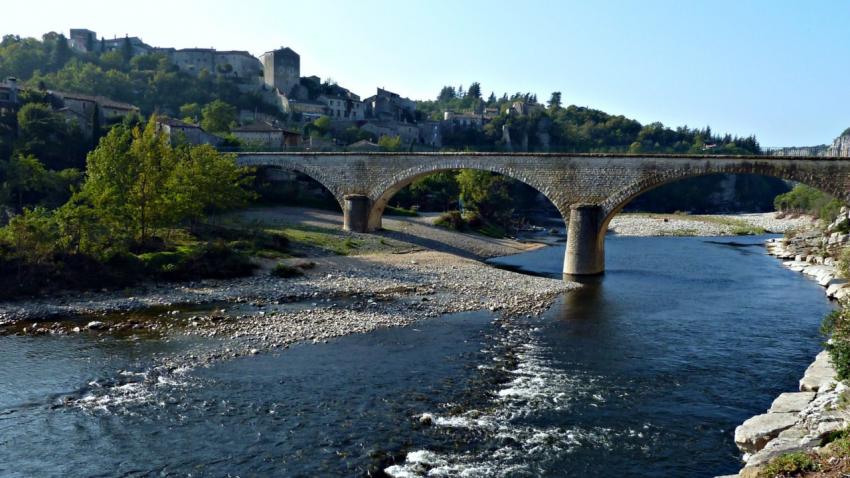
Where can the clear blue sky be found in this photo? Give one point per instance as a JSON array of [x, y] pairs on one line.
[[779, 69]]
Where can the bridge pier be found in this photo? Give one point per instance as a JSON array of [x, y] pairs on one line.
[[355, 212], [585, 249]]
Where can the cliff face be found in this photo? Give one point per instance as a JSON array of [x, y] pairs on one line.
[[841, 145]]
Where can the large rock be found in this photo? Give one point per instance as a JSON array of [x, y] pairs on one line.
[[754, 433], [791, 440], [791, 402], [819, 374]]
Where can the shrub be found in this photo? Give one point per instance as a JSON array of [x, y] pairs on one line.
[[836, 326], [789, 464], [284, 271], [451, 220]]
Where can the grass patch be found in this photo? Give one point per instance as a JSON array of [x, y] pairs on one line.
[[328, 240], [789, 464], [400, 211]]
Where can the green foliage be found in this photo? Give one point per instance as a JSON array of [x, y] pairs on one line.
[[486, 194], [789, 464], [451, 220], [44, 134], [805, 200], [836, 326], [844, 263], [190, 112], [24, 182], [218, 117], [150, 81], [284, 271], [211, 260], [138, 182], [390, 143]]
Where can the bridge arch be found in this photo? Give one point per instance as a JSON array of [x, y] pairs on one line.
[[622, 197], [313, 171], [389, 186], [586, 254]]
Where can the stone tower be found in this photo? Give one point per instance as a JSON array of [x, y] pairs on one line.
[[281, 69]]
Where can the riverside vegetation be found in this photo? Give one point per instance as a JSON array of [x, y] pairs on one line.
[[817, 444]]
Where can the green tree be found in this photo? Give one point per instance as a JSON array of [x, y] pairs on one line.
[[447, 93], [126, 50], [218, 117], [555, 100], [474, 91], [191, 112], [126, 181], [390, 143], [486, 194], [205, 181], [24, 179]]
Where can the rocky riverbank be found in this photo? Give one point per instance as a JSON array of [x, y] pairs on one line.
[[801, 420], [645, 224]]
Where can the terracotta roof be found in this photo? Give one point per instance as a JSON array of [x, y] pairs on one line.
[[100, 100]]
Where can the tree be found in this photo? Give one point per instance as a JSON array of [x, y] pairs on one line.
[[126, 50], [61, 53], [491, 100], [555, 100], [191, 112], [447, 93], [23, 177], [390, 143], [486, 194], [218, 117], [474, 91], [205, 181]]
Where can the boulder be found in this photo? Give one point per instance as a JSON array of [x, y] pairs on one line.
[[791, 402], [95, 325], [754, 433], [789, 441], [819, 374]]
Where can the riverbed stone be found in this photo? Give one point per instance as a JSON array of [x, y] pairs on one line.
[[754, 433], [791, 402], [791, 440], [819, 374]]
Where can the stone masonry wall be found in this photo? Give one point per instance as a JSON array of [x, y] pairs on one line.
[[607, 180]]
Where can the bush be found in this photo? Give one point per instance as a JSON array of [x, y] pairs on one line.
[[451, 220], [789, 464], [836, 326], [806, 200], [213, 260], [284, 271]]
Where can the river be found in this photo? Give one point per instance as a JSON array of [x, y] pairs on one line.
[[643, 372]]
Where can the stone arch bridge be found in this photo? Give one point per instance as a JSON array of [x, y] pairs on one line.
[[588, 189]]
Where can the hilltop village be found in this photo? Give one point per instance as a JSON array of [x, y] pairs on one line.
[[298, 102]]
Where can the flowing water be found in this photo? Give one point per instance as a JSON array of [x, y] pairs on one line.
[[644, 372]]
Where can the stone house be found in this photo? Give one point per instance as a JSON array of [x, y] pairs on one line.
[[344, 107], [430, 134], [178, 131], [92, 111], [463, 120], [268, 136], [239, 65], [389, 106]]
